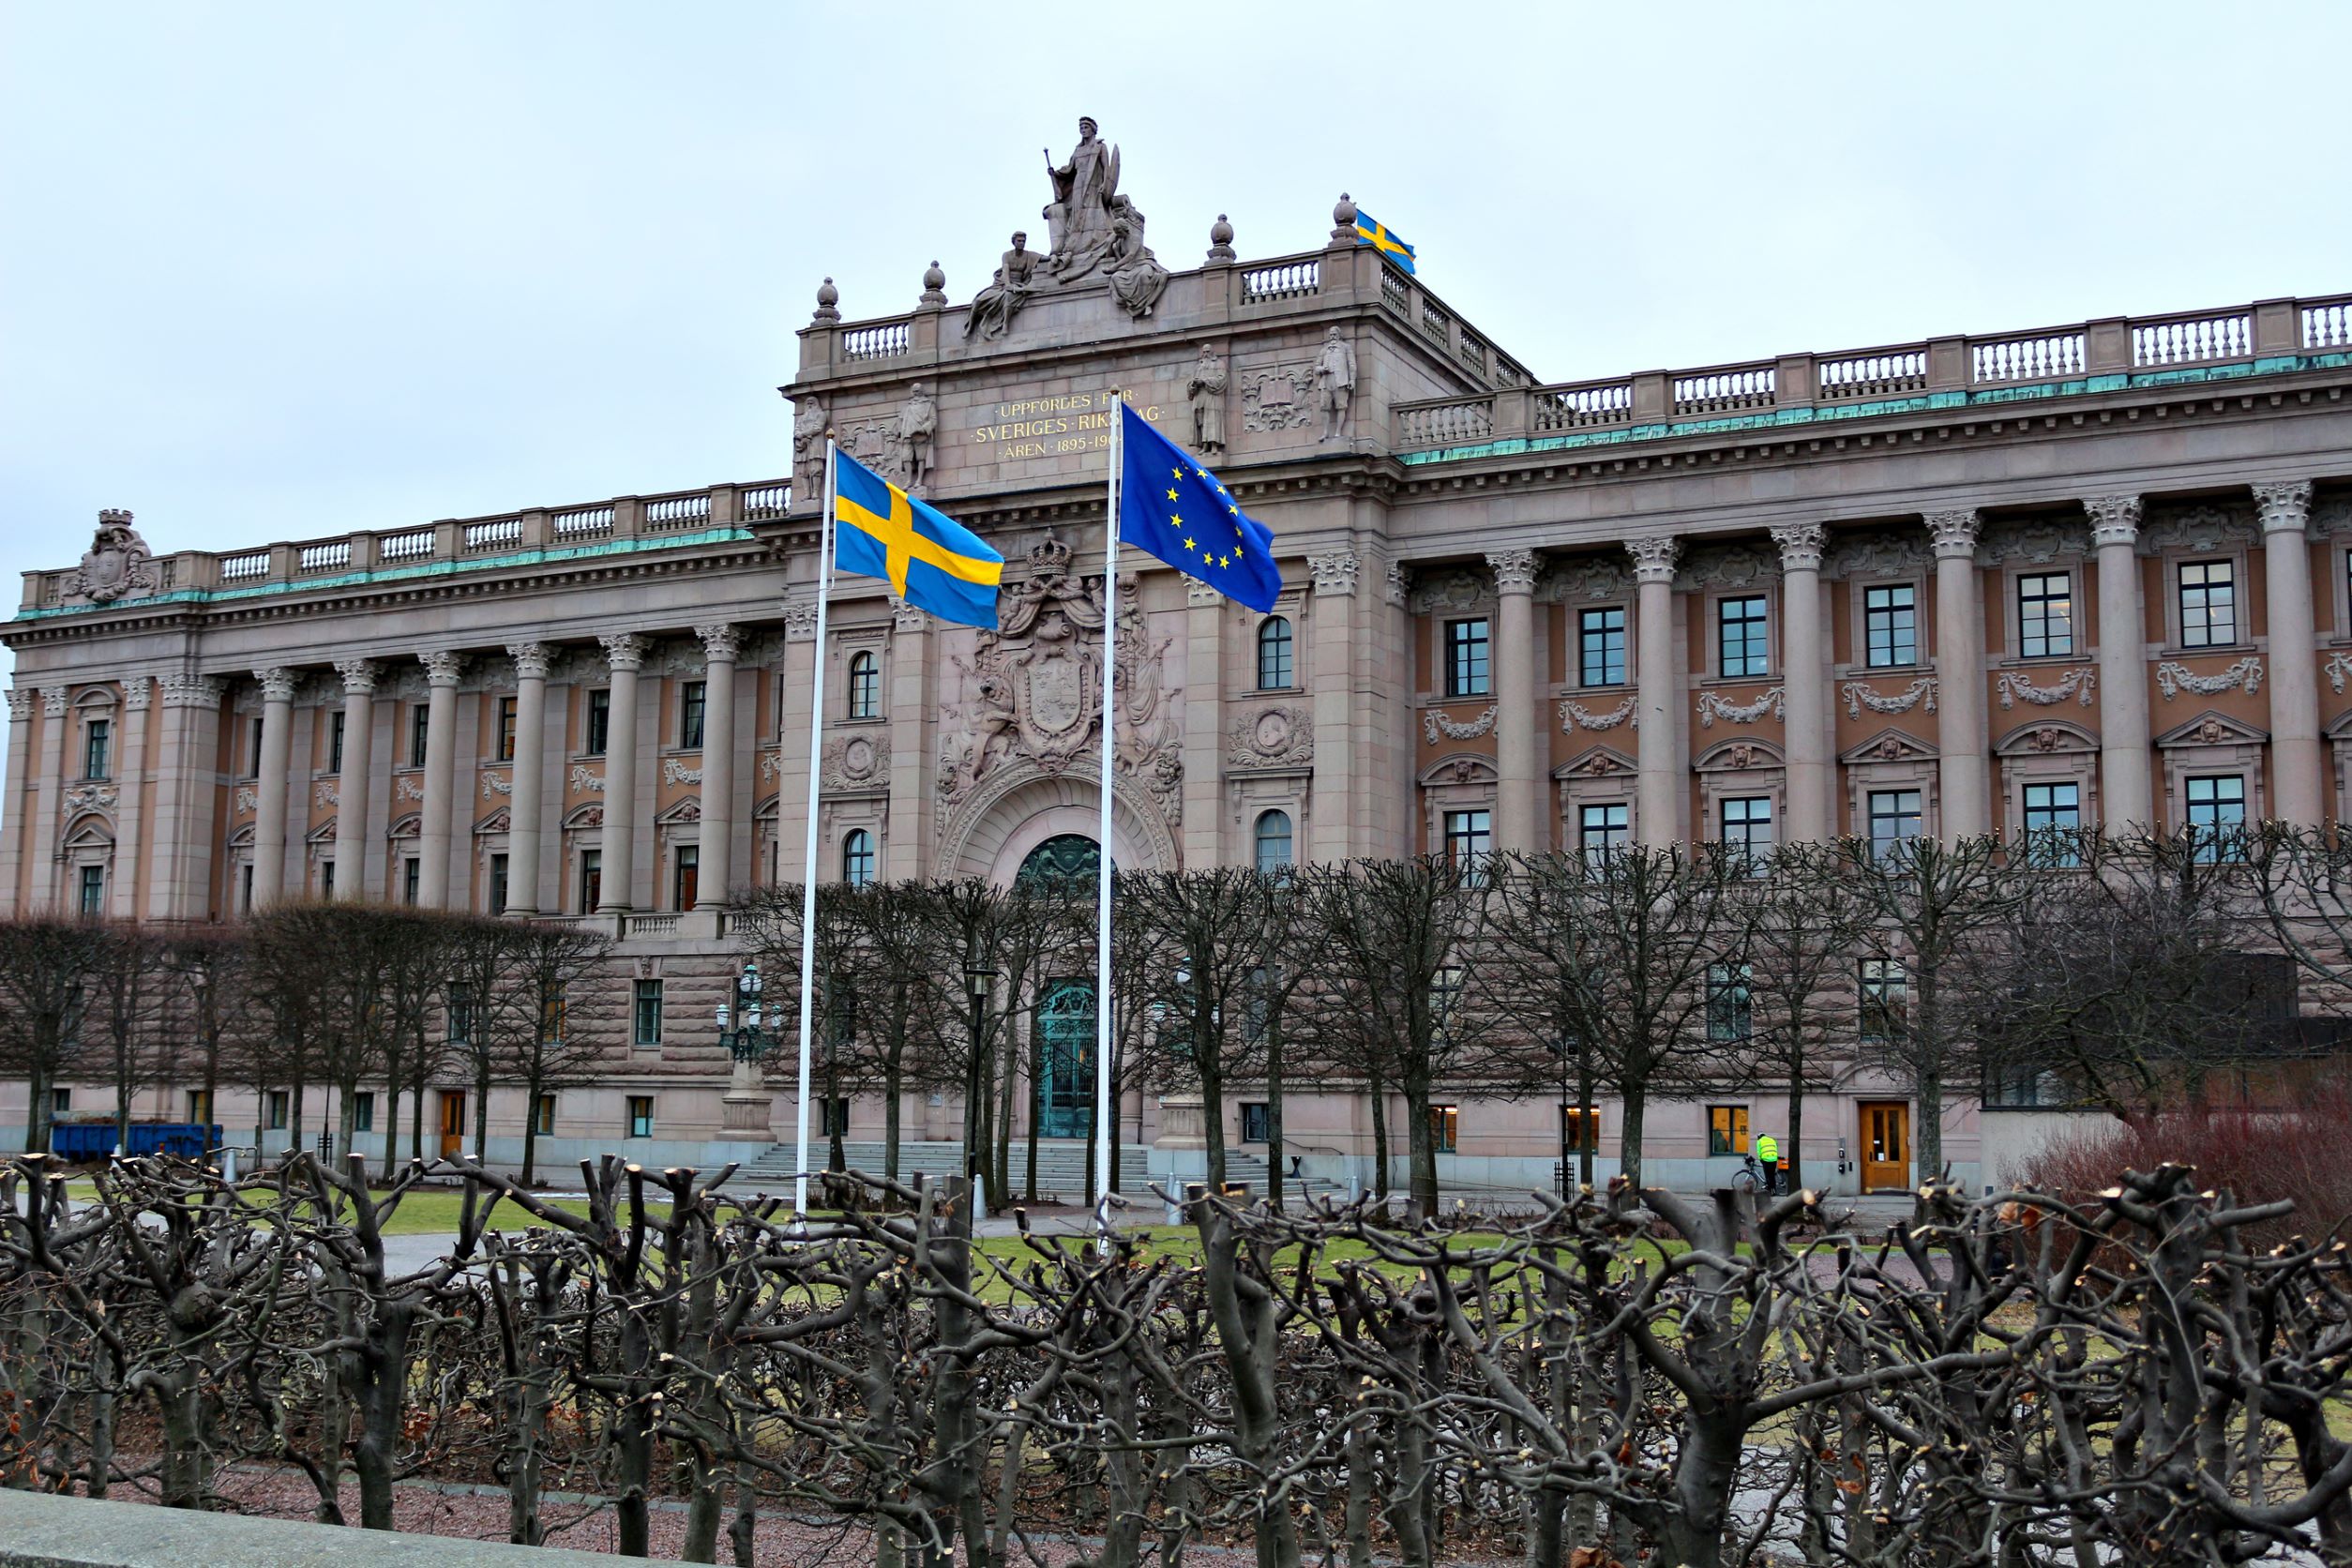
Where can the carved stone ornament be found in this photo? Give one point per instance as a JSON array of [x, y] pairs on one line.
[[1954, 532], [675, 772], [2337, 668], [2115, 520], [1399, 584], [1435, 723], [22, 700], [54, 701], [623, 650], [442, 669], [2173, 679], [2036, 544], [1886, 553], [326, 792], [1335, 571], [1859, 695], [359, 676], [1801, 545], [247, 799], [2046, 739], [496, 784], [721, 644], [117, 563], [1514, 571], [278, 683], [1278, 737], [1711, 707], [2285, 506], [2212, 733], [799, 623], [1741, 754], [408, 787], [530, 660], [89, 797], [588, 780], [1278, 397], [857, 762], [1655, 558], [192, 691], [1449, 591], [770, 765], [1592, 577], [2078, 684], [1573, 714], [2200, 526], [1735, 565], [138, 691]]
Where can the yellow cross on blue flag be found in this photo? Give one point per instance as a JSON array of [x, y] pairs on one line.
[[931, 561], [1372, 232], [1173, 507]]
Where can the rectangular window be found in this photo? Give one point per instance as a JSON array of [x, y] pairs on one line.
[[2217, 815], [1465, 661], [498, 884], [833, 1116], [591, 879], [1886, 997], [362, 1111], [1469, 837], [1581, 1129], [641, 1116], [61, 1101], [505, 749], [327, 878], [1894, 819], [1726, 1129], [1603, 828], [2208, 604], [865, 685], [2053, 822], [1730, 1012], [1275, 653], [410, 870], [1746, 827], [335, 741], [555, 1017], [1739, 636], [419, 727], [199, 1109], [1446, 1128], [2045, 615], [97, 740], [543, 1119], [245, 888], [684, 872], [460, 1011], [647, 1013], [597, 730], [1257, 1125], [1601, 646], [1890, 625], [91, 898], [253, 749], [693, 697], [277, 1111]]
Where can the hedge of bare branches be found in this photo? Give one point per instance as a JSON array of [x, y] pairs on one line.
[[1626, 1376]]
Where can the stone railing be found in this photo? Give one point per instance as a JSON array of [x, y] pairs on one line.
[[458, 541], [2269, 337]]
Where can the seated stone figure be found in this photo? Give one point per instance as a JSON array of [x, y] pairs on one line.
[[994, 307]]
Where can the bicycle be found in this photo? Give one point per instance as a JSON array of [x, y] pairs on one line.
[[1750, 1176]]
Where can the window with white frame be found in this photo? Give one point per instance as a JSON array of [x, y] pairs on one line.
[[2045, 614], [2208, 603], [1890, 625], [1739, 636]]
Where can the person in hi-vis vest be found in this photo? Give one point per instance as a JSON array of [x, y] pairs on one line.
[[1767, 1156]]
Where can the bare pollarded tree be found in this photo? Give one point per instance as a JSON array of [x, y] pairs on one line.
[[45, 1005], [1803, 924]]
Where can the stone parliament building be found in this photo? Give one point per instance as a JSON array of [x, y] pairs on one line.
[[2093, 573]]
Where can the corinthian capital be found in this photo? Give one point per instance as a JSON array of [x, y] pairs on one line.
[[1514, 570], [1335, 571], [623, 650], [799, 623], [192, 691], [721, 642], [278, 683], [2284, 505], [1954, 532], [1800, 546], [530, 660], [442, 669], [359, 676], [2115, 520], [1655, 557], [20, 699]]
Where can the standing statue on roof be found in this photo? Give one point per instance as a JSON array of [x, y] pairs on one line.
[[1080, 218]]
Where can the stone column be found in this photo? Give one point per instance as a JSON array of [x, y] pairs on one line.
[[2127, 796], [435, 829], [353, 777], [720, 644], [1204, 707], [2297, 769], [907, 831], [530, 777], [49, 800], [1335, 576], [1658, 674], [795, 686], [624, 652], [1518, 664], [187, 773], [1961, 740], [130, 800], [14, 897], [1810, 751], [270, 785]]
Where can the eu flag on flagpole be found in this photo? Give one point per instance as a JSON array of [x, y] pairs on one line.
[[1171, 507], [932, 562]]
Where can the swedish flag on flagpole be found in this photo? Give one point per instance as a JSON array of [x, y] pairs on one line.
[[1372, 232], [931, 561], [1173, 507]]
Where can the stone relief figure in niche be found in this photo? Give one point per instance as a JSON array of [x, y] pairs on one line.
[[1137, 277], [994, 307], [1079, 219], [1335, 382], [808, 446], [907, 455], [1206, 388], [116, 563]]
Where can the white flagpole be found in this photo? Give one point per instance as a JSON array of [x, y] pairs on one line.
[[808, 864], [1106, 1132]]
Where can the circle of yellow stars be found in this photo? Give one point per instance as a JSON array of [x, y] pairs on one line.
[[1210, 557]]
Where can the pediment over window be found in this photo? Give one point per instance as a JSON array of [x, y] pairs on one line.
[[1463, 767], [499, 821], [686, 812], [92, 832], [410, 826], [1597, 761], [242, 838], [1890, 745], [768, 809], [2212, 729], [322, 834], [2049, 736], [588, 816], [1739, 755]]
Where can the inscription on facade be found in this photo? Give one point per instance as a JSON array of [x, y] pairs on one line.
[[1051, 427]]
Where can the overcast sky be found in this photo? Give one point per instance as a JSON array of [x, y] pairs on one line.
[[278, 271]]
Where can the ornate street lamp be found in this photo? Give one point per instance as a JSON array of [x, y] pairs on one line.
[[747, 1040]]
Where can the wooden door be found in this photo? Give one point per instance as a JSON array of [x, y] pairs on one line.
[[1886, 1145], [452, 1122]]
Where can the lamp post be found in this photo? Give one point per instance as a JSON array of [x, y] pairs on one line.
[[979, 978], [743, 1030]]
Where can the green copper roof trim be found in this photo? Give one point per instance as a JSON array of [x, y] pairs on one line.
[[1985, 397], [402, 574]]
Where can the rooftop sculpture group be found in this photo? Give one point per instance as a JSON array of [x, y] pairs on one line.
[[1092, 231]]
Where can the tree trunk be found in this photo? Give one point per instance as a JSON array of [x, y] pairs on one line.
[[1792, 1157], [1211, 1068], [1378, 1092], [1001, 1144], [1636, 1099], [294, 1118], [837, 1158], [1274, 1117], [392, 1085], [416, 1120], [481, 1107], [1036, 1100], [892, 1089], [41, 1110], [1420, 1145], [1588, 1118]]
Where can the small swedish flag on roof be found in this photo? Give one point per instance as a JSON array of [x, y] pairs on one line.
[[1372, 232]]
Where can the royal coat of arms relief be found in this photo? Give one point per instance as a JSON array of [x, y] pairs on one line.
[[116, 566]]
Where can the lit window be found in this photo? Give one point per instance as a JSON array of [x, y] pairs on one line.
[[2217, 816], [1886, 996], [2045, 615], [98, 738], [544, 1121], [278, 1109], [1603, 828], [641, 1116], [2054, 824], [1890, 625], [1739, 636], [1466, 648], [1446, 1128], [1726, 1129], [646, 1021], [1730, 1012], [693, 697], [686, 872], [1272, 841], [865, 685], [2208, 604], [1579, 1130], [857, 857], [1894, 819], [1274, 653], [1747, 827], [506, 729], [1601, 646]]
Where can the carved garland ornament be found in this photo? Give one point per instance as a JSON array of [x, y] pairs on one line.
[[246, 800], [1573, 714], [675, 772], [408, 787], [1434, 724], [2338, 667], [584, 779], [89, 797], [2174, 679], [496, 784], [327, 793], [2078, 684], [1711, 707], [1858, 696]]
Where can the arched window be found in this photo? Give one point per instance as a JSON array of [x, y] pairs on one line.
[[857, 857], [1274, 841], [865, 686], [1274, 653]]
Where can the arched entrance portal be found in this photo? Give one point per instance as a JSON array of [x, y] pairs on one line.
[[1066, 1007]]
